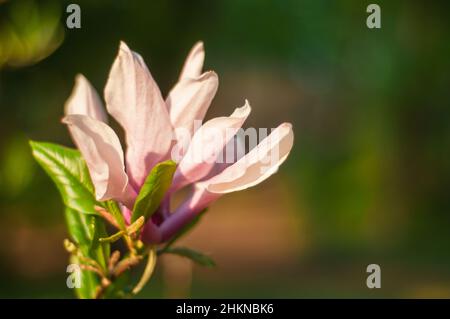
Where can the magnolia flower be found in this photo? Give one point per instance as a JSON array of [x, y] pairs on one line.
[[152, 128]]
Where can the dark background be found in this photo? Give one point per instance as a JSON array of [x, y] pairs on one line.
[[368, 179]]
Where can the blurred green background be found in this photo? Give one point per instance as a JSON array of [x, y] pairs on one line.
[[368, 179]]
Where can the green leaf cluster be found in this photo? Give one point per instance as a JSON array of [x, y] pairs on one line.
[[86, 224]]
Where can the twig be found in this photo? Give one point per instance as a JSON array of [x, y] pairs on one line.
[[148, 271], [107, 216], [115, 256], [126, 264], [93, 269]]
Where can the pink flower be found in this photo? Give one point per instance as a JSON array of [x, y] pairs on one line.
[[153, 128], [246, 172]]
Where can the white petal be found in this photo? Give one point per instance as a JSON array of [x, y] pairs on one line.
[[260, 163], [206, 144], [134, 100], [85, 100], [190, 98], [248, 171], [194, 62], [103, 154]]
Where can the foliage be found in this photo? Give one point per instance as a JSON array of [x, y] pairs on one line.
[[102, 271]]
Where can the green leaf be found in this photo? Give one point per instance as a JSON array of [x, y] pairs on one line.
[[186, 229], [78, 227], [195, 256], [120, 287], [114, 209], [100, 251], [88, 284], [153, 190], [85, 231], [69, 172]]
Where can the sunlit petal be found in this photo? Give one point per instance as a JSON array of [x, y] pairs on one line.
[[134, 100], [84, 100], [206, 144], [103, 154]]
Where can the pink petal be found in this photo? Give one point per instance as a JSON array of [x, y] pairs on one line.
[[189, 100], [194, 62], [206, 144], [151, 234], [260, 163], [134, 100], [231, 153], [199, 199], [127, 213], [85, 100], [248, 171], [103, 154]]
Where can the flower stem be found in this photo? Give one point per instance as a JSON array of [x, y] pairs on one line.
[[148, 271]]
